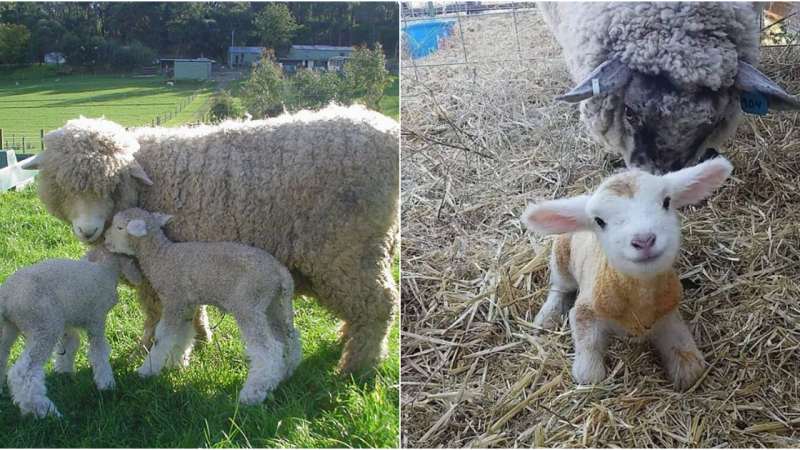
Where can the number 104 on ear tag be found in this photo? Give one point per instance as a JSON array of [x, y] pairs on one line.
[[754, 103]]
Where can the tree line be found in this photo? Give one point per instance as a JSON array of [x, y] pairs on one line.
[[125, 35]]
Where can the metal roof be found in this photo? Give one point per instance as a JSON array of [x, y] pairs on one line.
[[245, 49], [323, 47]]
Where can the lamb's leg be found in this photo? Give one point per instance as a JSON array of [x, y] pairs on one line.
[[561, 296], [184, 341], [8, 335], [280, 315], [151, 306], [201, 327], [682, 360], [168, 336], [265, 351], [99, 355], [591, 336], [26, 377], [65, 351]]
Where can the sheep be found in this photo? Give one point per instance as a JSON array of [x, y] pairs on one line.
[[615, 249], [660, 82], [49, 302], [245, 281], [170, 83], [319, 190]]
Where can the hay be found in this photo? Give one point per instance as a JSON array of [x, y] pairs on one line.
[[481, 141]]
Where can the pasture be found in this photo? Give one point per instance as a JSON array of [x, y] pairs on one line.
[[482, 141], [196, 406], [31, 104]]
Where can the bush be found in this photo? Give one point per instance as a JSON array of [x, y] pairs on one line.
[[131, 56], [314, 90], [223, 107], [263, 93], [367, 76]]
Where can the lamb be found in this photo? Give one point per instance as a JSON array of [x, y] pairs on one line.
[[660, 82], [49, 302], [245, 281], [318, 190], [616, 249]]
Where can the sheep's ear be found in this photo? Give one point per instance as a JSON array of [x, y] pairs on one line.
[[695, 183], [34, 162], [566, 215], [138, 173], [608, 77], [162, 218], [136, 227], [131, 272], [750, 79]]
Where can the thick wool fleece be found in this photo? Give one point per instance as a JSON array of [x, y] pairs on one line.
[[691, 43], [319, 190]]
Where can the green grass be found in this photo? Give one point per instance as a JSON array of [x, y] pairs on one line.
[[390, 105], [195, 406], [31, 104]]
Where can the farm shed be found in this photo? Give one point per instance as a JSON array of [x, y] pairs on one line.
[[192, 69], [328, 57], [243, 56]]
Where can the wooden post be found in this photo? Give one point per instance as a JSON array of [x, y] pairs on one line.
[[41, 138], [23, 143], [158, 120], [1, 139]]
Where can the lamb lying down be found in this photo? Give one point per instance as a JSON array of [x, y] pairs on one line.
[[245, 281], [616, 249], [51, 300]]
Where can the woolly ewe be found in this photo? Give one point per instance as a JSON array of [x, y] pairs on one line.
[[659, 82], [616, 249], [245, 281], [51, 300], [318, 190]]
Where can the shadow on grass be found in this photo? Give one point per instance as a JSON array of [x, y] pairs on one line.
[[172, 411]]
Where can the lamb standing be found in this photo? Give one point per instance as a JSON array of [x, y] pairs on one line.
[[616, 249], [51, 300], [318, 190], [660, 82], [245, 281]]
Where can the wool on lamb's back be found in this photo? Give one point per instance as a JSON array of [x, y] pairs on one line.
[[323, 175]]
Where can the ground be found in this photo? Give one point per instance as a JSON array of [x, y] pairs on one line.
[[480, 142], [194, 407]]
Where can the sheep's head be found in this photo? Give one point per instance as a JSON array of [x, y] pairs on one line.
[[88, 173], [660, 125], [130, 226], [632, 214]]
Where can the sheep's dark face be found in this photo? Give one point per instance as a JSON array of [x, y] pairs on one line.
[[660, 128]]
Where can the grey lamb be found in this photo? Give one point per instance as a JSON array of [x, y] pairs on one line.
[[49, 301], [245, 281]]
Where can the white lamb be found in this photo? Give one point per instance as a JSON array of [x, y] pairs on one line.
[[245, 281], [616, 249], [49, 301]]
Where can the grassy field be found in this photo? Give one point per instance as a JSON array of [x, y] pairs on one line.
[[29, 105], [196, 406]]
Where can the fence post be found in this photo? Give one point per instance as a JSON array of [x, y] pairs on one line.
[[1, 139], [41, 138], [23, 143], [158, 120]]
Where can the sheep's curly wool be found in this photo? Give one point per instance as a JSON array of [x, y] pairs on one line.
[[691, 43], [318, 190]]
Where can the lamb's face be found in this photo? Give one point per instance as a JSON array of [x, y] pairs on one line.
[[660, 128], [634, 219], [119, 238], [633, 214]]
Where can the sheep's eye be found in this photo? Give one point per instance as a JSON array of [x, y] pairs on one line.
[[119, 228], [629, 114], [666, 203], [600, 222]]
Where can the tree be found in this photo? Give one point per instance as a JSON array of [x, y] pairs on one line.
[[367, 76], [14, 43], [45, 37], [276, 27], [224, 107], [316, 90], [263, 94]]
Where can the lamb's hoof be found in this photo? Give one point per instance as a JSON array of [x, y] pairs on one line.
[[145, 371], [105, 385], [64, 370], [588, 373], [689, 367], [41, 410], [250, 396]]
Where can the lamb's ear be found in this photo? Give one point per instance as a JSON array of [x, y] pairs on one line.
[[34, 162], [136, 227], [162, 218], [750, 79], [566, 215], [138, 173], [609, 77], [131, 272], [695, 183]]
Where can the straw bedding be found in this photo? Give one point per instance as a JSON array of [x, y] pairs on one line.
[[481, 141]]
